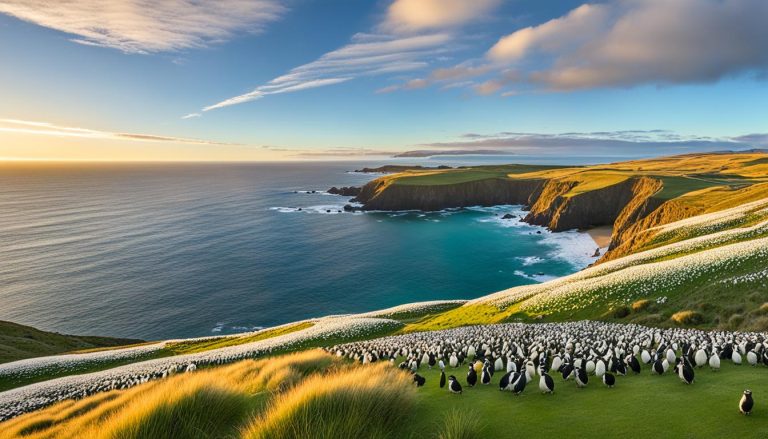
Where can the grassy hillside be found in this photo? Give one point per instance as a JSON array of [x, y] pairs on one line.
[[18, 342], [317, 395]]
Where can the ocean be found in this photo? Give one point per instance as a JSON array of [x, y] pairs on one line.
[[159, 251]]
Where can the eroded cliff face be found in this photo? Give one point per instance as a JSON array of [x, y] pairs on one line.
[[380, 194], [629, 206]]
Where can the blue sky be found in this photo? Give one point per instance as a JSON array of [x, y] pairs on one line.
[[268, 79]]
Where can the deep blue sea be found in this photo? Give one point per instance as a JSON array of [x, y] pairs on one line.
[[181, 250]]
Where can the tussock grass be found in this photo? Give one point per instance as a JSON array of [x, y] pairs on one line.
[[371, 402], [688, 317], [459, 424], [210, 403], [641, 305]]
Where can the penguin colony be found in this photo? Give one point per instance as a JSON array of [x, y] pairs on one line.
[[575, 351]]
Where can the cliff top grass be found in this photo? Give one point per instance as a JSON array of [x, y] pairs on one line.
[[18, 342], [679, 175]]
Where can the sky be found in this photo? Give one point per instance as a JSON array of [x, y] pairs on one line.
[[247, 80]]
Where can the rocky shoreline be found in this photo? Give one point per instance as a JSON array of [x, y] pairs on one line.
[[623, 205]]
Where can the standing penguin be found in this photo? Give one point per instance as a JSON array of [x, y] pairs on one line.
[[746, 403], [453, 385], [658, 367], [519, 382], [634, 364], [714, 361], [485, 378], [442, 379], [546, 383], [609, 380], [581, 377], [471, 376], [700, 358], [684, 371], [419, 380]]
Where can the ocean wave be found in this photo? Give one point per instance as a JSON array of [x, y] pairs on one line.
[[530, 260], [576, 248], [323, 209], [538, 277]]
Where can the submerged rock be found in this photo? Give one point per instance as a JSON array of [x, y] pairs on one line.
[[508, 216]]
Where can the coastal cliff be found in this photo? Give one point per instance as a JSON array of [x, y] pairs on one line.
[[625, 205]]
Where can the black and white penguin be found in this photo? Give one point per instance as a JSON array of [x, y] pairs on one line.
[[658, 367], [582, 378], [714, 361], [505, 381], [746, 403], [471, 376], [442, 379], [566, 370], [634, 364], [518, 383], [609, 380], [419, 380], [752, 358], [486, 375], [546, 383], [431, 361], [684, 371], [453, 385], [700, 358]]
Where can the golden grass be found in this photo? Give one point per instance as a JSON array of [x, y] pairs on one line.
[[458, 424], [688, 317], [370, 402], [641, 305], [215, 402]]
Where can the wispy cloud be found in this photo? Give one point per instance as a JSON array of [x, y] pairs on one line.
[[366, 55], [633, 42], [49, 129], [146, 26], [191, 116], [413, 34]]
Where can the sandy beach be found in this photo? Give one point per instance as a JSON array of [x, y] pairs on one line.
[[601, 235]]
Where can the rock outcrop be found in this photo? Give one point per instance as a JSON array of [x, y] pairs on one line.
[[347, 191]]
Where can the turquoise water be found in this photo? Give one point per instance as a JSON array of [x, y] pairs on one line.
[[164, 251]]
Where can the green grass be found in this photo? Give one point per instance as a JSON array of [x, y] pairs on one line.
[[327, 398], [18, 342], [466, 175], [639, 406], [677, 186]]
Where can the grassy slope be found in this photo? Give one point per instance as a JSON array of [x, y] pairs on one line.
[[18, 342], [286, 397]]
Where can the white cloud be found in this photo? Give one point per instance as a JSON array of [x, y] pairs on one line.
[[145, 26], [191, 116], [419, 15], [49, 129], [632, 42], [366, 55]]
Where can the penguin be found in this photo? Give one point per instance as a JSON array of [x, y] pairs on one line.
[[581, 377], [600, 368], [746, 403], [442, 379], [700, 358], [485, 378], [634, 364], [752, 358], [658, 367], [714, 361], [453, 361], [419, 380], [646, 357], [511, 366], [567, 371], [499, 365], [519, 382], [471, 376], [736, 357], [431, 360], [546, 383], [441, 364], [609, 380], [556, 363], [684, 371], [506, 380], [453, 385]]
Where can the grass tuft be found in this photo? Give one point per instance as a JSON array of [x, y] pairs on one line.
[[641, 305], [459, 424], [371, 402], [688, 317]]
